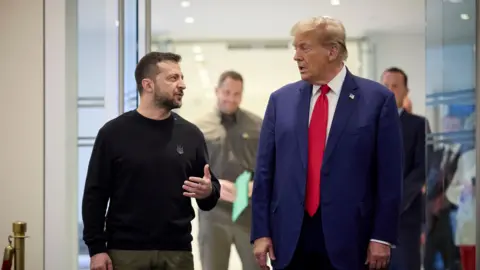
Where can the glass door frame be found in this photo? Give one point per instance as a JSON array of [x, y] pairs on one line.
[[477, 127], [143, 21]]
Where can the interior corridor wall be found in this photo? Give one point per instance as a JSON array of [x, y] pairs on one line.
[[60, 142], [264, 71], [408, 52], [38, 117], [21, 117]]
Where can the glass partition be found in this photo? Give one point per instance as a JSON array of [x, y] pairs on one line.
[[130, 54], [97, 87], [108, 51], [450, 223]]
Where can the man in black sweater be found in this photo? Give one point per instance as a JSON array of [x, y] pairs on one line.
[[147, 164]]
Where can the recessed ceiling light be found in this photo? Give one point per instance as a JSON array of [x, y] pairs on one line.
[[185, 4], [335, 2], [197, 49], [189, 20], [464, 16]]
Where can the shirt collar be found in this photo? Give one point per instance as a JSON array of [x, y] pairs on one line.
[[335, 84], [228, 118], [400, 111]]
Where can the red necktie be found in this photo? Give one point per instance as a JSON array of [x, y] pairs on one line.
[[317, 138]]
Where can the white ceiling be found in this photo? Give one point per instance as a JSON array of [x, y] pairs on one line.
[[272, 19]]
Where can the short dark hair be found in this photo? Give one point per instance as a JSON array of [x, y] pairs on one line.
[[398, 70], [147, 66], [230, 74]]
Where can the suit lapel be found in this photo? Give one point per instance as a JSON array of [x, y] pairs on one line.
[[303, 112], [347, 102]]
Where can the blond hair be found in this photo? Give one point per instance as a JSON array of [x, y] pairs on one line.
[[331, 32]]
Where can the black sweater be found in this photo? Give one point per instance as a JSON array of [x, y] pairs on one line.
[[138, 166]]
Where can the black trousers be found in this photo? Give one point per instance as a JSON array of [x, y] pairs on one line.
[[309, 260], [311, 252], [440, 239], [407, 255]]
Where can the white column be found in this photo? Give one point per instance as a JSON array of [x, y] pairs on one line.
[[22, 121], [61, 237]]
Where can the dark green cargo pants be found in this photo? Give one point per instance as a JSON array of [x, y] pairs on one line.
[[151, 260], [217, 233]]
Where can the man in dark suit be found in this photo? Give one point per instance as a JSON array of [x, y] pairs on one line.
[[328, 181], [407, 256]]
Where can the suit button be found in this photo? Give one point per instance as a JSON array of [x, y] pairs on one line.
[[302, 204]]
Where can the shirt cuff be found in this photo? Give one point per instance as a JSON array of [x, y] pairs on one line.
[[382, 242]]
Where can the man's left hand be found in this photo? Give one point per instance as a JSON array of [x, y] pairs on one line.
[[378, 255], [199, 188], [250, 189]]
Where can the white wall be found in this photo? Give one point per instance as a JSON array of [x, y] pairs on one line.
[[37, 161], [407, 52], [21, 116], [264, 71], [60, 146]]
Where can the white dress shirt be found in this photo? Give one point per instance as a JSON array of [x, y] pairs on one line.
[[333, 95]]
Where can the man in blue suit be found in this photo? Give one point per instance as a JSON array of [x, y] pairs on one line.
[[328, 181], [407, 255]]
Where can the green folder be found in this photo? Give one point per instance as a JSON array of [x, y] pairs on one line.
[[241, 201]]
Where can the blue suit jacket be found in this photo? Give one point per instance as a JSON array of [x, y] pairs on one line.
[[361, 174]]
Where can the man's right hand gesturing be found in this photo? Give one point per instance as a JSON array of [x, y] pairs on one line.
[[261, 247], [101, 261]]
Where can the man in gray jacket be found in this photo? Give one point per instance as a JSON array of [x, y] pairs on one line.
[[232, 137]]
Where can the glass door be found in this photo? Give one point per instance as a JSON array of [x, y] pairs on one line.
[[111, 38], [450, 223]]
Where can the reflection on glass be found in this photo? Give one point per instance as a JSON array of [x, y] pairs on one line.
[[450, 213]]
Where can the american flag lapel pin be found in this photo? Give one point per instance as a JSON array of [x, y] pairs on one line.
[[351, 96]]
